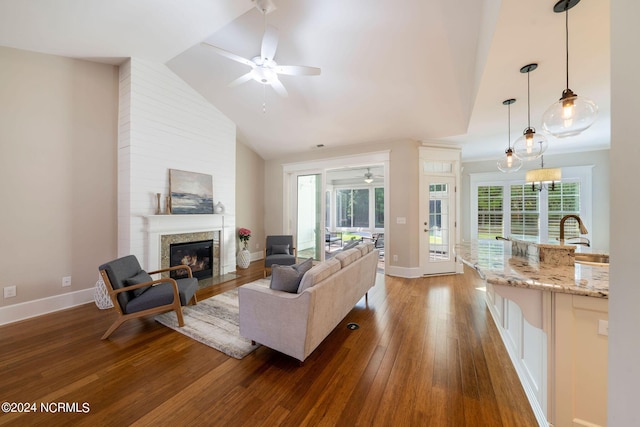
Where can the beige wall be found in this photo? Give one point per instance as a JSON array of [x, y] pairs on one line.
[[249, 197], [58, 123], [402, 197]]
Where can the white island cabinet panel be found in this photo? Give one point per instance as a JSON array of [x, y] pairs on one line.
[[512, 310], [581, 361], [553, 320]]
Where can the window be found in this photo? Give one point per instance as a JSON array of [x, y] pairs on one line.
[[507, 206], [327, 208], [564, 200], [355, 209], [352, 208], [379, 207], [490, 216], [525, 212]]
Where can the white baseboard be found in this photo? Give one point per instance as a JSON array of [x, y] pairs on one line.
[[405, 272], [29, 309]]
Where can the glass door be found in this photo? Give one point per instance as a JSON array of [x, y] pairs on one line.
[[437, 228], [309, 235]]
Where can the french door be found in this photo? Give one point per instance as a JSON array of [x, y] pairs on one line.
[[437, 224]]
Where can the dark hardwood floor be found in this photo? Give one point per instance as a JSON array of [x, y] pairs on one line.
[[426, 354]]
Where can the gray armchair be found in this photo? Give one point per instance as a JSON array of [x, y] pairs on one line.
[[331, 237], [134, 293], [379, 243], [278, 250]]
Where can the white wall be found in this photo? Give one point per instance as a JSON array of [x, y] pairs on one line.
[[164, 124], [624, 297]]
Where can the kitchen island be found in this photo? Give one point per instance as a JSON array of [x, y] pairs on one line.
[[553, 321]]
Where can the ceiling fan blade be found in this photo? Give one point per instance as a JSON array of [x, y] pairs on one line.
[[279, 88], [242, 79], [297, 70], [269, 43], [229, 55]]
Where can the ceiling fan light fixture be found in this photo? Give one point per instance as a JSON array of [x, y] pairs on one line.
[[571, 114], [368, 177], [265, 6]]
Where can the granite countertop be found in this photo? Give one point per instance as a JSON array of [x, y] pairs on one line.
[[495, 264]]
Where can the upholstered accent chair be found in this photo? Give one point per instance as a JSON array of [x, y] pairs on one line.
[[379, 243], [278, 250], [135, 293], [332, 237]]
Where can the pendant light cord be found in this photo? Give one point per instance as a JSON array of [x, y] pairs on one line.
[[566, 33], [509, 127], [528, 101]]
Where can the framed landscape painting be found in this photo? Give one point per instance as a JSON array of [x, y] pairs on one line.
[[191, 192]]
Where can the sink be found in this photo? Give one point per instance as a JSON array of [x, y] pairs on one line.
[[592, 259]]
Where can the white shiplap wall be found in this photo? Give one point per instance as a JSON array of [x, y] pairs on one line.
[[164, 124]]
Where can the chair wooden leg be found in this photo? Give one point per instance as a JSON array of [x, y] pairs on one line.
[[113, 327], [180, 318]]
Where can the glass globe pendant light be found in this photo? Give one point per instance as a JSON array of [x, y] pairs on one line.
[[530, 145], [509, 163], [570, 115]]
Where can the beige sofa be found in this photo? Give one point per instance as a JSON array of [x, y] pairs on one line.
[[296, 323]]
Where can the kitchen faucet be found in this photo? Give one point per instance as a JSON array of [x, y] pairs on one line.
[[583, 229]]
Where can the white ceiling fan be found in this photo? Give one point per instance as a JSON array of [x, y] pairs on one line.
[[264, 68], [369, 177]]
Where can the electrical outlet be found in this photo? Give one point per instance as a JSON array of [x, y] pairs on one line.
[[603, 327], [9, 291], [395, 258], [66, 281]]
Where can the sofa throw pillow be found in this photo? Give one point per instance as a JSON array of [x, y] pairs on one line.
[[287, 277], [280, 249], [351, 244], [141, 277]]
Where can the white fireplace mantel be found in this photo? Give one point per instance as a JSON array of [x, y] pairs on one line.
[[160, 225]]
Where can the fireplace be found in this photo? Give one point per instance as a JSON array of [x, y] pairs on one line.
[[197, 255], [199, 250], [166, 230]]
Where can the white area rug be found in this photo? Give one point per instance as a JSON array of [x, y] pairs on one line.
[[213, 322]]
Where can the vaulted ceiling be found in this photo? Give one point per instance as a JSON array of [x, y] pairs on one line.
[[428, 70]]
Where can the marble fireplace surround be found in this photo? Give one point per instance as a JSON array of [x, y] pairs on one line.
[[170, 239], [174, 228]]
